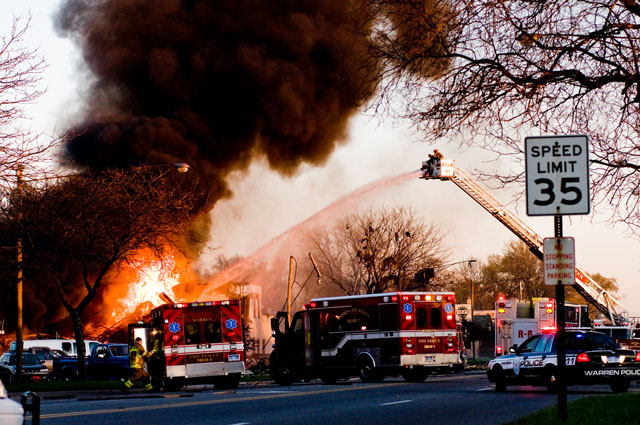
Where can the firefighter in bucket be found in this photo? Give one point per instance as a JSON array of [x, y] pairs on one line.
[[137, 359]]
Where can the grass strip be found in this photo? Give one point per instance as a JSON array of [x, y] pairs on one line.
[[618, 409]]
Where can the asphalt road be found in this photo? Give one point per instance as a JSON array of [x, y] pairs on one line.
[[448, 399]]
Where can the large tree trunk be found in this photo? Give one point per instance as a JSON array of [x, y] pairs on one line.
[[82, 355]]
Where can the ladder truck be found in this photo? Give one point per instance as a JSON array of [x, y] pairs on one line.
[[444, 170]]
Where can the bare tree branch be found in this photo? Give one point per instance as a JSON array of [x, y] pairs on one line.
[[527, 67], [79, 228], [377, 251]]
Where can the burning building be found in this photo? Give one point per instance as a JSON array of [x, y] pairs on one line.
[[215, 84]]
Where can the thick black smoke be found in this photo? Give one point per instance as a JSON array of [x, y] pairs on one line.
[[216, 83]]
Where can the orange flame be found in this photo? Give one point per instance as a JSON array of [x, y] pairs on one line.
[[153, 277]]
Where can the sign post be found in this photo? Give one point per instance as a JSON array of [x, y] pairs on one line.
[[557, 177]]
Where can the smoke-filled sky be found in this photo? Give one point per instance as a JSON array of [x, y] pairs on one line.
[[216, 83], [265, 203]]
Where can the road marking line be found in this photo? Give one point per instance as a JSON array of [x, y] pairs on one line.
[[211, 402], [396, 402], [274, 392], [485, 389]]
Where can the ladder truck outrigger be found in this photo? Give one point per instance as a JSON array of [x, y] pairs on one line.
[[592, 292]]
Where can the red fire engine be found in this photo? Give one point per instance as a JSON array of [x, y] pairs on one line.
[[410, 333], [199, 342]]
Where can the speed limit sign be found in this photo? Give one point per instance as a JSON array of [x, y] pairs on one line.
[[557, 169]]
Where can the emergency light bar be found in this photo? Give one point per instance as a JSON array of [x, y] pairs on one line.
[[205, 303]]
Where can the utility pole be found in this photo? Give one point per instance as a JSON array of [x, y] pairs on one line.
[[289, 287], [19, 277]]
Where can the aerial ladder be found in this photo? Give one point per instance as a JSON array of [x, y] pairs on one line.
[[587, 287]]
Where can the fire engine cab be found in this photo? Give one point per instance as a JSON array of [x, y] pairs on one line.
[[407, 333], [199, 342]]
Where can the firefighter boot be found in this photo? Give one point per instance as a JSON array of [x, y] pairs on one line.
[[148, 387], [127, 386]]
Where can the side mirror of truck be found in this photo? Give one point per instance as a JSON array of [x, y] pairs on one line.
[[280, 323], [274, 325]]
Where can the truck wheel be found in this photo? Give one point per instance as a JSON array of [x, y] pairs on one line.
[[367, 370], [282, 376], [227, 382], [123, 374], [234, 380], [414, 375], [619, 386], [70, 374]]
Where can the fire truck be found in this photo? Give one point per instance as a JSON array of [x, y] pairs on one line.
[[199, 342], [518, 320], [627, 335], [407, 333]]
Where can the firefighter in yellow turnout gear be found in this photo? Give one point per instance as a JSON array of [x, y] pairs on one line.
[[156, 361], [137, 358]]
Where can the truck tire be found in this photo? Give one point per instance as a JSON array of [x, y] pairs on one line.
[[282, 376], [123, 374], [69, 373], [227, 382], [367, 370]]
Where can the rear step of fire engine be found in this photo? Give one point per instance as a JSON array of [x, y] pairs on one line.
[[585, 285]]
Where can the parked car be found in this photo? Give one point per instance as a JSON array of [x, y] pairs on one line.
[[32, 368], [591, 358], [106, 361], [68, 346], [11, 412], [45, 355]]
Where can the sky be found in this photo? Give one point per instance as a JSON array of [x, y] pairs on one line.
[[266, 204]]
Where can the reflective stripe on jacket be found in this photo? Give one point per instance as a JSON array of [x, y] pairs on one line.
[[136, 361]]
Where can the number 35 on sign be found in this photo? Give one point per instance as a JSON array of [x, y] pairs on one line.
[[557, 169]]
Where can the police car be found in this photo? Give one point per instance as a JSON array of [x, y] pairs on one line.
[[11, 412], [591, 358]]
